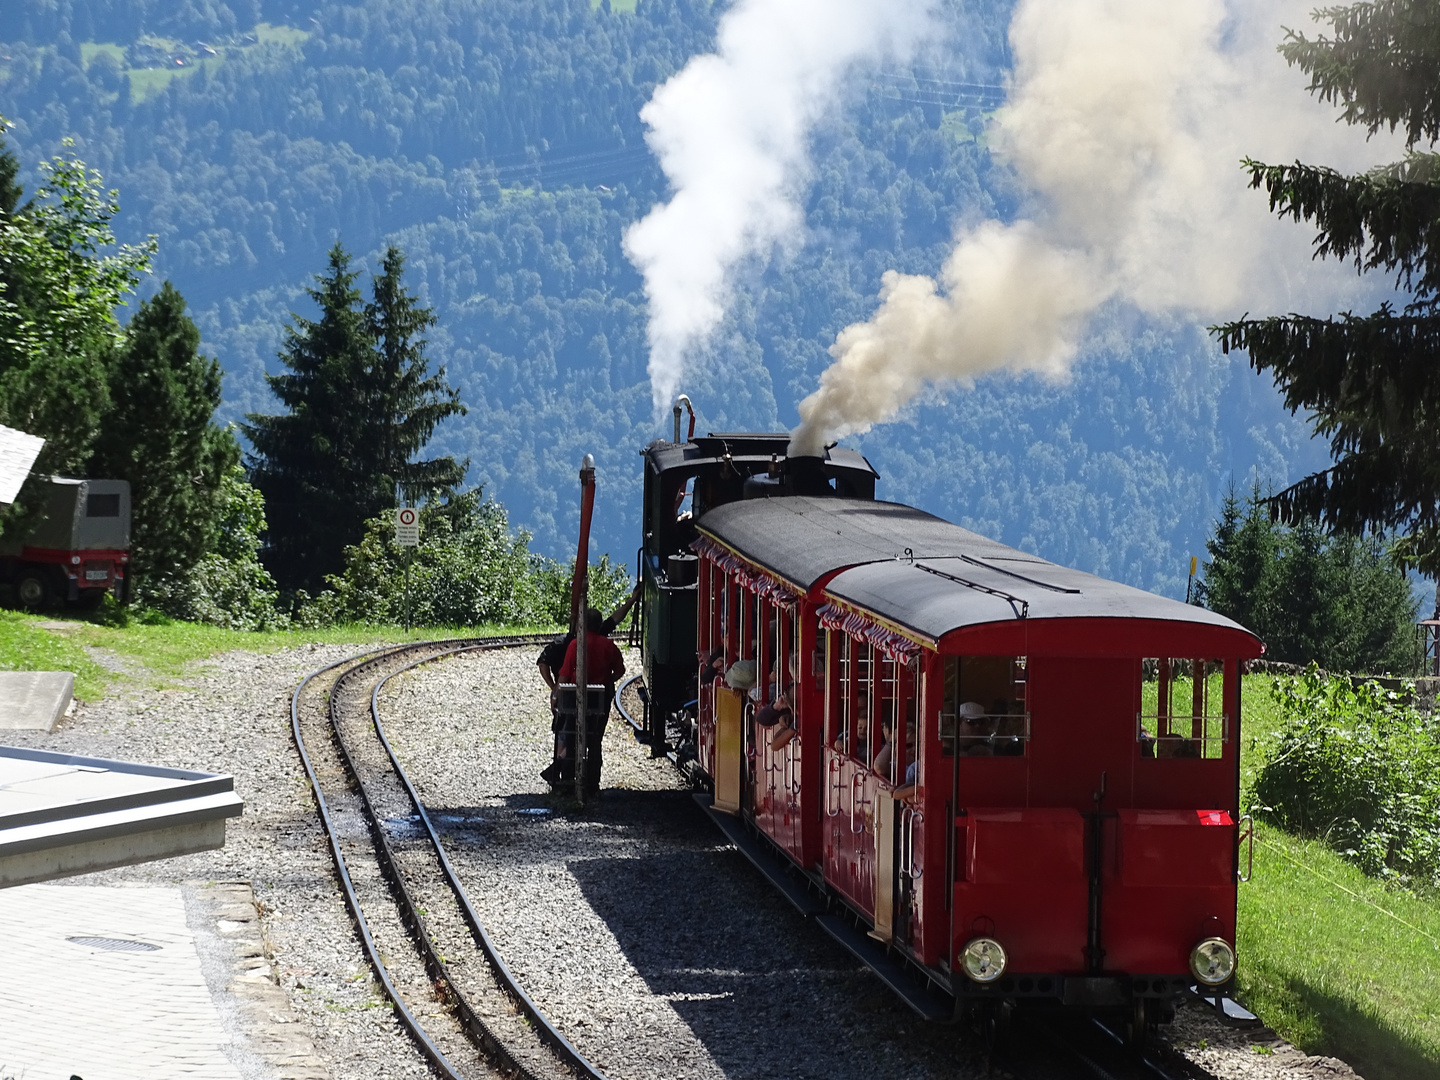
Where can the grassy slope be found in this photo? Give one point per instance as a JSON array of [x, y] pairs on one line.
[[159, 653], [1331, 959], [146, 82]]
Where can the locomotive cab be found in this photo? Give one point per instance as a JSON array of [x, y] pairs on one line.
[[682, 482]]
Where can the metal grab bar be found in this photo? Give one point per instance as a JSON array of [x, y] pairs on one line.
[[858, 778], [832, 789], [1247, 833], [907, 842], [915, 816]]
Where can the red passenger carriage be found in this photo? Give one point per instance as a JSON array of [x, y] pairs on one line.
[[1069, 831]]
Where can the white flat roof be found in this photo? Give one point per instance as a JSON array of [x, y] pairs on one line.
[[18, 452], [61, 814]]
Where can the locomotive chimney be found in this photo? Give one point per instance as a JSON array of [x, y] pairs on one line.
[[805, 475]]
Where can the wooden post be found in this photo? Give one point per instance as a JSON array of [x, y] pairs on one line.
[[579, 603]]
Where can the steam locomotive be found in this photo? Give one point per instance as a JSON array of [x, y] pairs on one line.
[[999, 782]]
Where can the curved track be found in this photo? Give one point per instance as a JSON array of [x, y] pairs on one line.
[[426, 945]]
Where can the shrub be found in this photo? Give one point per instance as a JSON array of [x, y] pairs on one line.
[[1359, 767], [469, 569], [227, 587]]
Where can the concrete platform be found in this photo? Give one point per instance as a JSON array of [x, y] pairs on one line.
[[105, 982], [34, 700], [62, 814]]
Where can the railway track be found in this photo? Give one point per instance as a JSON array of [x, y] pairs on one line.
[[428, 949]]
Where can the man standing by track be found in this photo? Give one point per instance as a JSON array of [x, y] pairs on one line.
[[603, 666], [550, 660]]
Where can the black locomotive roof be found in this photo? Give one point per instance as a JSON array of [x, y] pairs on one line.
[[948, 579], [743, 445]]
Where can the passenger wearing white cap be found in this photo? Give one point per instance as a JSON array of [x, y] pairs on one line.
[[977, 730]]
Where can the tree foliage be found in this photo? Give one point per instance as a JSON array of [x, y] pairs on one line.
[[227, 586], [360, 404], [58, 293], [469, 569], [409, 401], [159, 435], [1332, 598], [1369, 383]]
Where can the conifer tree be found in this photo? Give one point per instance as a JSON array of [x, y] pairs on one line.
[[360, 405], [411, 401], [159, 435], [1338, 599], [1371, 383]]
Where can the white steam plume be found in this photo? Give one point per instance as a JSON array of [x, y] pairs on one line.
[[731, 131], [1127, 120]]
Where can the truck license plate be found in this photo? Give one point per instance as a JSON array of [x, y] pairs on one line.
[[97, 575]]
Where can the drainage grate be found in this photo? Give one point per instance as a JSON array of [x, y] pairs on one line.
[[114, 944]]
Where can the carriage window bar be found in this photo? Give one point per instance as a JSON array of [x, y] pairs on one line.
[[871, 714], [985, 710], [1181, 714]]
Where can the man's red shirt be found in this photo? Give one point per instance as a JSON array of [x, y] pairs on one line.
[[603, 663]]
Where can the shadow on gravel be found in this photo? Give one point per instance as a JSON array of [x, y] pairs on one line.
[[763, 989]]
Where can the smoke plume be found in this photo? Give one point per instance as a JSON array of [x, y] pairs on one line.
[[1127, 121], [731, 131]]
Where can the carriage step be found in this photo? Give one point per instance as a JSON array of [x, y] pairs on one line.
[[890, 970], [754, 850]]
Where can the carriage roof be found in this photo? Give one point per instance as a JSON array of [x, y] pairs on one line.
[[927, 575]]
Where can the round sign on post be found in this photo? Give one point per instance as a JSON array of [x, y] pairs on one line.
[[407, 526]]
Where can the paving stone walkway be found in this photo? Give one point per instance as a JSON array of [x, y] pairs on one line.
[[102, 1009]]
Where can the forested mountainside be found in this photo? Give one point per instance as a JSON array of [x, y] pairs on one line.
[[498, 143]]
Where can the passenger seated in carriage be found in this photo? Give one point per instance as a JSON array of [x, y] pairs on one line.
[[977, 731], [712, 665], [778, 710], [1171, 744]]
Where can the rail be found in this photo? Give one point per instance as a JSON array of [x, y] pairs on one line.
[[493, 1047]]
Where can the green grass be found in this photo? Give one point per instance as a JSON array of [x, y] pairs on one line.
[[288, 35], [164, 652], [147, 82], [91, 49], [1334, 961], [27, 646]]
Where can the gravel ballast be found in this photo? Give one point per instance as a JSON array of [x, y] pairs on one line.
[[653, 945]]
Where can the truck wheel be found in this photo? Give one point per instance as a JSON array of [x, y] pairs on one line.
[[32, 590]]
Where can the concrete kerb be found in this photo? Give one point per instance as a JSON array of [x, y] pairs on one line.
[[34, 700]]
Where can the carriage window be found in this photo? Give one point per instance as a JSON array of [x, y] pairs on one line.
[[853, 714], [985, 708], [817, 660], [838, 691], [897, 722], [1181, 708]]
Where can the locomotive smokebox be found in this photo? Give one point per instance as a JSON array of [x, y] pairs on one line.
[[805, 475]]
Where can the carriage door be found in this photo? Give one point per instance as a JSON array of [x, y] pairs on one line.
[[850, 782], [894, 769]]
